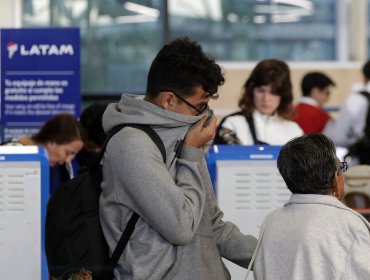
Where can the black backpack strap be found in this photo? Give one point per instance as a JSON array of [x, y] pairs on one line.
[[360, 148], [219, 138], [154, 136], [249, 118], [146, 128], [367, 124], [134, 217], [250, 121], [124, 239], [110, 134]]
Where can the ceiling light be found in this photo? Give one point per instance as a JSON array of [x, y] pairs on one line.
[[140, 9], [305, 4]]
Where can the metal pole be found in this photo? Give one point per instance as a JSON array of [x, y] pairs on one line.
[[165, 22]]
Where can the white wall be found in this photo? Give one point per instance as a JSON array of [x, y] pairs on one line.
[[343, 74], [10, 13]]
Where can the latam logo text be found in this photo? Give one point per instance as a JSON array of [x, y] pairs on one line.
[[40, 50]]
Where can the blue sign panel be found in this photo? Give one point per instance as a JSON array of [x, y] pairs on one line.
[[40, 77], [238, 152]]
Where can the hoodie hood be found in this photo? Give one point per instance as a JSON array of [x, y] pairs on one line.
[[134, 109]]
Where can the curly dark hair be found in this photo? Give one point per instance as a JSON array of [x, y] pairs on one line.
[[182, 65], [269, 72]]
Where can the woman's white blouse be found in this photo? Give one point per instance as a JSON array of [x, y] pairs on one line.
[[272, 130]]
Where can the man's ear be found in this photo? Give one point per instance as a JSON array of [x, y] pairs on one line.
[[166, 100], [315, 92]]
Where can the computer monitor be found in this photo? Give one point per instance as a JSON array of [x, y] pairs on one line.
[[24, 191], [248, 187]]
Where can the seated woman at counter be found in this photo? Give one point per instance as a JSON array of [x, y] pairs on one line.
[[266, 109], [62, 136]]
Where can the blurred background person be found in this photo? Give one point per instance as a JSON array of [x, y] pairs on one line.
[[91, 121], [266, 109], [309, 114], [314, 235], [349, 126]]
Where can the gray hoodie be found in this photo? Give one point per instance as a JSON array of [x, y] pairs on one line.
[[180, 233]]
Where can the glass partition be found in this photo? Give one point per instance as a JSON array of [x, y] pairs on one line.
[[235, 30], [120, 38]]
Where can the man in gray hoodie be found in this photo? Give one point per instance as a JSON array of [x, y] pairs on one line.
[[180, 233]]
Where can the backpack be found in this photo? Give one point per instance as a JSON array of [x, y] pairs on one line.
[[74, 241], [361, 148], [226, 136]]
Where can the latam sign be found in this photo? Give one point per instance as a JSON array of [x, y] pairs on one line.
[[41, 49], [40, 77]]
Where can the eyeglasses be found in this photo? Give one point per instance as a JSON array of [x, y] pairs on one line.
[[343, 166], [200, 109]]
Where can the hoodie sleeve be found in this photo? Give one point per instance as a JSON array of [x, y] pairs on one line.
[[143, 183], [233, 245]]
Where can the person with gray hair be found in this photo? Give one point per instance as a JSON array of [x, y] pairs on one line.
[[314, 235]]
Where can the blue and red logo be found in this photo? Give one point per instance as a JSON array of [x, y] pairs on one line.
[[11, 47]]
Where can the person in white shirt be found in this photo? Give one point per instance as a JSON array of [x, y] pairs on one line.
[[266, 109], [349, 126]]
